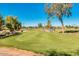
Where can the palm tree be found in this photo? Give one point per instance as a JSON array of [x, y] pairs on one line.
[[58, 10]]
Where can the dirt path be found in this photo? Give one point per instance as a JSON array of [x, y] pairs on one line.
[[4, 51]]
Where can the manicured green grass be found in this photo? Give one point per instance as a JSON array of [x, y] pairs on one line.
[[42, 42]]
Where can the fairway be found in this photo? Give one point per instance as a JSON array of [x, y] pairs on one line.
[[41, 42]]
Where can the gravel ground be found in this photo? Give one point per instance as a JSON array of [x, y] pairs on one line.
[[4, 51]]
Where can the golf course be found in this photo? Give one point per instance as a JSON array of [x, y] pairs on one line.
[[42, 29], [44, 42]]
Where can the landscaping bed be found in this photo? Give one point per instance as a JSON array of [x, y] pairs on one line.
[[8, 33]]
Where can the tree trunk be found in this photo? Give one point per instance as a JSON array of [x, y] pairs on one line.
[[0, 26], [60, 19], [63, 28]]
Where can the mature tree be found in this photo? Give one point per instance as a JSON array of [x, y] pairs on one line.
[[16, 23], [48, 26], [58, 10], [19, 25], [1, 22], [9, 22], [40, 25]]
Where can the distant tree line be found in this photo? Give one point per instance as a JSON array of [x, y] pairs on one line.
[[71, 26]]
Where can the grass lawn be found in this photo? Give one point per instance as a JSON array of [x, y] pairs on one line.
[[41, 42]]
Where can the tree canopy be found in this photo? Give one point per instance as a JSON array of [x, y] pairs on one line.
[[58, 10]]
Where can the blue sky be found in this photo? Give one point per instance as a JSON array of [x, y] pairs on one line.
[[30, 14]]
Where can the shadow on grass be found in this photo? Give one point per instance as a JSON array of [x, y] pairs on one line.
[[55, 53], [77, 52], [70, 31]]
